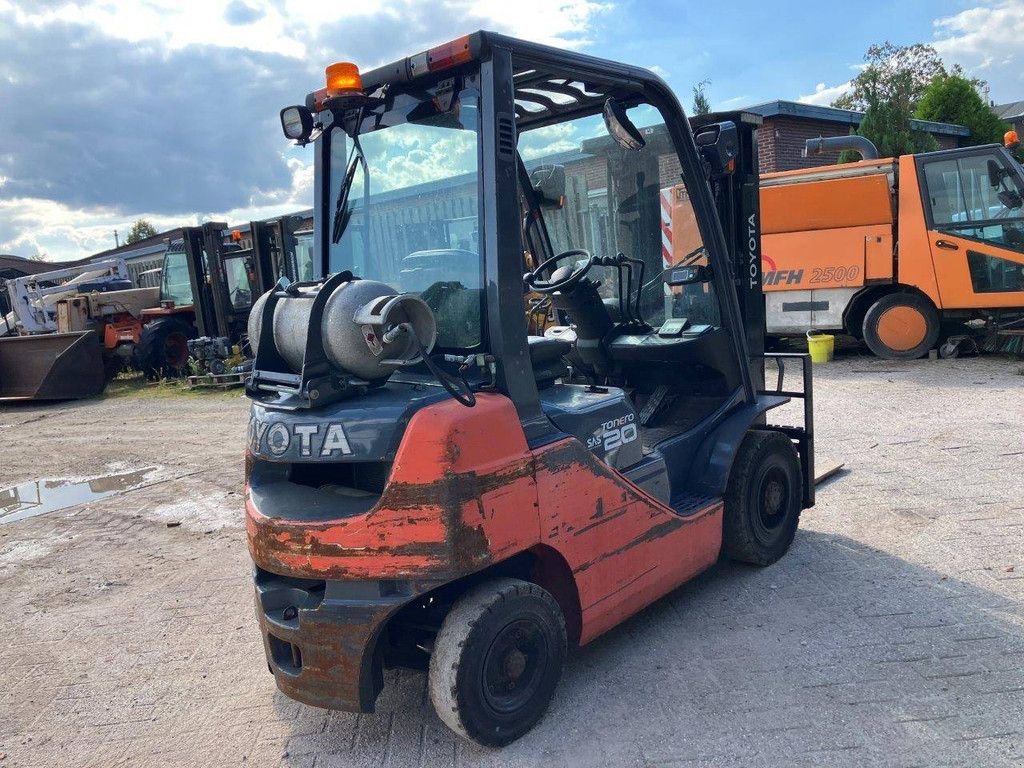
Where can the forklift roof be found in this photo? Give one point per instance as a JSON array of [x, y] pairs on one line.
[[551, 84]]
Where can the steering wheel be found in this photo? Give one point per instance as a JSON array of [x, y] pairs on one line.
[[563, 277]]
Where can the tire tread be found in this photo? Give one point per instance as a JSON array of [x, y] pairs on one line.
[[738, 539], [458, 626]]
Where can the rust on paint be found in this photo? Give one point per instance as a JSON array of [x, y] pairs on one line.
[[600, 521], [336, 672], [661, 529], [432, 520], [465, 491]]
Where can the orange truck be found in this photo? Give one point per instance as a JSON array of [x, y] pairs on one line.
[[894, 251]]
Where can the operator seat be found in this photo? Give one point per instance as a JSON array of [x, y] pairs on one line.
[[546, 355]]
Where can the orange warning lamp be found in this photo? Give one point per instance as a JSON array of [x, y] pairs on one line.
[[343, 77], [235, 235], [1010, 139]]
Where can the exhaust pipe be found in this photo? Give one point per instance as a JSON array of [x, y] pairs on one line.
[[818, 146]]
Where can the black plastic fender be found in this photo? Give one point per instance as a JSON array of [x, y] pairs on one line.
[[712, 461]]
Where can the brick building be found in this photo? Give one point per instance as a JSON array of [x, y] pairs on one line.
[[788, 124]]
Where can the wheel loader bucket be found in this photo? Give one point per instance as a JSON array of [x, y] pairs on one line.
[[51, 366]]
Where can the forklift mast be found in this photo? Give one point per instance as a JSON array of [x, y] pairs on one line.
[[206, 274], [735, 190], [273, 245]]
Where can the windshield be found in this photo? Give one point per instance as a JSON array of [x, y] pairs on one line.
[[236, 273], [304, 255], [413, 206], [176, 285]]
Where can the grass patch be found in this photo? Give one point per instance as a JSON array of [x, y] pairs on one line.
[[134, 385]]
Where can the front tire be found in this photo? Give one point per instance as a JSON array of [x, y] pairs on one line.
[[901, 326], [497, 661], [763, 499], [162, 350]]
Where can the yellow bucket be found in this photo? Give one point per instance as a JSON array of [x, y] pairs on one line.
[[821, 346]]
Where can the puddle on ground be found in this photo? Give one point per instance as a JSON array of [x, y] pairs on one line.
[[41, 496]]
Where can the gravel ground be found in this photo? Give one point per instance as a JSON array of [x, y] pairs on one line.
[[892, 633]]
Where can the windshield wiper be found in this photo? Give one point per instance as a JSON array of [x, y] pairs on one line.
[[342, 210]]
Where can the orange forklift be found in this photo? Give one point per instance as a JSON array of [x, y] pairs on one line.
[[429, 486]]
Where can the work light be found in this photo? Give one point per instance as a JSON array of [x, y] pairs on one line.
[[297, 123]]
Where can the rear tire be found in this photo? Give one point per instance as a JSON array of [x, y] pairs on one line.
[[901, 326], [162, 351], [497, 661], [763, 499]]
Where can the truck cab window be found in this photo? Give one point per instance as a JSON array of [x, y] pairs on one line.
[[963, 200]]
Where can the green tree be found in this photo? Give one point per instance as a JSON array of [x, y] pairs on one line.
[[887, 125], [954, 99], [140, 230], [701, 105], [893, 73], [888, 91]]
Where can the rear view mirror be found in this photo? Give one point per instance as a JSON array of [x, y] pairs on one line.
[[620, 127], [719, 146], [690, 275], [297, 123], [549, 185], [995, 173]]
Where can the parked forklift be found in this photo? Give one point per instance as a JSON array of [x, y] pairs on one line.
[[281, 247], [207, 287], [429, 486]]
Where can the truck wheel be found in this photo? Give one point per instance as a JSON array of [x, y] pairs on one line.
[[497, 660], [901, 326], [162, 350], [763, 499]]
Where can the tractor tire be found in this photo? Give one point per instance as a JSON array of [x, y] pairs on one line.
[[112, 365], [497, 661], [901, 326], [763, 499], [162, 351]]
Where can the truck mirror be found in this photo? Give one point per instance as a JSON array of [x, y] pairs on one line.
[[620, 127], [549, 185], [718, 144], [697, 273], [1010, 199]]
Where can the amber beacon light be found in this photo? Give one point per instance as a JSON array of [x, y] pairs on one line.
[[343, 77]]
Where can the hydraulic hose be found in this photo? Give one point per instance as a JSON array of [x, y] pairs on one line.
[[456, 386]]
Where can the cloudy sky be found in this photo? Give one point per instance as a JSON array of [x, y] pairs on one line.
[[111, 110]]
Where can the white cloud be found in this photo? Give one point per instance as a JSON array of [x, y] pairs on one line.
[[31, 226], [824, 95], [289, 27], [173, 49], [176, 51], [987, 41], [735, 101]]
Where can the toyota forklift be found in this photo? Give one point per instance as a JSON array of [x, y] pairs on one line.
[[430, 486]]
